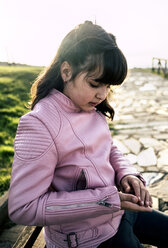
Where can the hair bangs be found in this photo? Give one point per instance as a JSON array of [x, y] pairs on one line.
[[114, 68], [93, 66]]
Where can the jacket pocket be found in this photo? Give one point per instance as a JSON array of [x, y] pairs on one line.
[[81, 183]]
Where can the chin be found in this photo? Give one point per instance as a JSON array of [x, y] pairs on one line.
[[89, 109]]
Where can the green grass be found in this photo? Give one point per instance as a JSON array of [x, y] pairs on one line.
[[151, 71], [161, 74], [15, 84]]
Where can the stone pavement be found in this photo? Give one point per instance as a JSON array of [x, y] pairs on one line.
[[141, 129]]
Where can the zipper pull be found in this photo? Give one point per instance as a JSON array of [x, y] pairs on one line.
[[103, 203]]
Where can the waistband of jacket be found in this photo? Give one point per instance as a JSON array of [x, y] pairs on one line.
[[72, 239], [95, 234]]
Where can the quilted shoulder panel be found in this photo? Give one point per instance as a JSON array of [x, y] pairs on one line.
[[32, 138]]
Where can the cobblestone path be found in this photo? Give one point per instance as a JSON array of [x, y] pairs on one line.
[[141, 129]]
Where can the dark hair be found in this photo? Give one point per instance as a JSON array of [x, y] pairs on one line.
[[85, 48]]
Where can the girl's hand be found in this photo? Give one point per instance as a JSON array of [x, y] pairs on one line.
[[132, 184], [130, 202]]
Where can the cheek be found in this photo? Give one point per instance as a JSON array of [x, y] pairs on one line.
[[82, 99], [79, 98], [85, 95]]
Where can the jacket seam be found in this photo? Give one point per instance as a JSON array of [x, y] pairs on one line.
[[84, 148], [49, 146]]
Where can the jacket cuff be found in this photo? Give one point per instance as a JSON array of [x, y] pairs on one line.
[[141, 178], [133, 174]]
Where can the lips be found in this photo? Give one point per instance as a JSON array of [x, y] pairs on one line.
[[93, 103]]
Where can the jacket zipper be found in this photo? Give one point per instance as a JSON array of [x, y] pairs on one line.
[[104, 203], [78, 205]]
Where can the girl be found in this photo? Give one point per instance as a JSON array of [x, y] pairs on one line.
[[67, 174]]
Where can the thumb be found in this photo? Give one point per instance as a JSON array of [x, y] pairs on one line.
[[126, 187], [128, 197]]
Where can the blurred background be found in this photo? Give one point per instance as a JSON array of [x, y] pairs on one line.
[[31, 31], [30, 34]]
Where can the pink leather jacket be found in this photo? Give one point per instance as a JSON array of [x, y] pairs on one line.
[[64, 175]]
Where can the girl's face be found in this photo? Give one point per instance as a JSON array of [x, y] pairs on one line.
[[85, 92]]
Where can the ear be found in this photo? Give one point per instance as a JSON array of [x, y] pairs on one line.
[[66, 71]]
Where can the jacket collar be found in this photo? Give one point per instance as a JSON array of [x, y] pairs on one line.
[[64, 102]]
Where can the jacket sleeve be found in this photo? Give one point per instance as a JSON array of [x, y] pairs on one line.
[[122, 166], [31, 200]]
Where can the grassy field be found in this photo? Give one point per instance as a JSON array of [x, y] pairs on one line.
[[150, 70], [15, 84]]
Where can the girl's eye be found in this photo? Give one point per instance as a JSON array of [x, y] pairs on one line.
[[97, 85], [94, 85]]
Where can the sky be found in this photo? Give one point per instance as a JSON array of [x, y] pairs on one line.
[[31, 30]]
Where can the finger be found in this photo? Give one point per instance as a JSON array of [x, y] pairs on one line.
[[128, 197], [137, 188], [143, 192], [148, 200], [126, 186], [134, 207]]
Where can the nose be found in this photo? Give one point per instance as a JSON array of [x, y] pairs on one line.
[[102, 93]]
